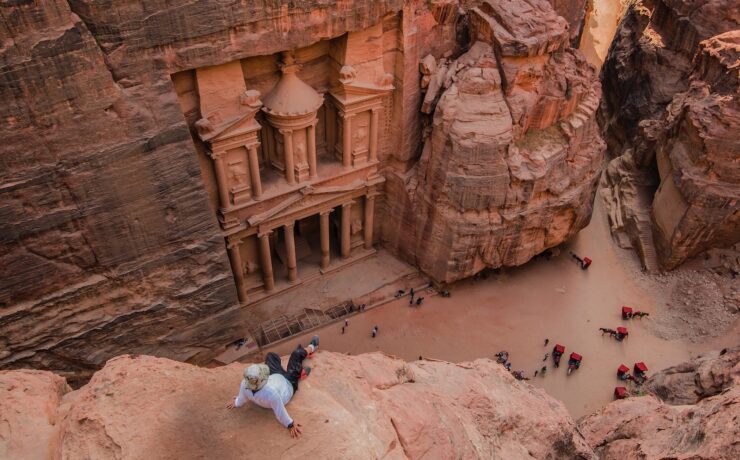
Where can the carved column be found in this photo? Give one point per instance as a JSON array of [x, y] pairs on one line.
[[288, 151], [254, 172], [369, 214], [312, 172], [374, 121], [346, 235], [237, 267], [221, 179], [266, 258], [290, 251], [347, 140], [325, 255]]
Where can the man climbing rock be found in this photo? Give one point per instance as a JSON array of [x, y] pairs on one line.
[[270, 386]]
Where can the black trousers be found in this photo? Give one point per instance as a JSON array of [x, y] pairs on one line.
[[295, 365]]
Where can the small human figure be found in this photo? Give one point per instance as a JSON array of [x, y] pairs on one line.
[[547, 341], [547, 355], [507, 366], [419, 301], [411, 300], [374, 332], [272, 387], [535, 372], [346, 323], [400, 292], [543, 370], [342, 329], [421, 358]]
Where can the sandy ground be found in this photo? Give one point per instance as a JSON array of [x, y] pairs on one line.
[[600, 30], [517, 309]]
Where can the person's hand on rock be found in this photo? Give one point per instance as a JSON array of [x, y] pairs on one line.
[[295, 430]]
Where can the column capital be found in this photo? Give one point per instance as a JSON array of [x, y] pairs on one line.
[[285, 131], [216, 155], [346, 116], [290, 224], [264, 233], [252, 145], [376, 109], [348, 204], [232, 242], [372, 194], [327, 212]]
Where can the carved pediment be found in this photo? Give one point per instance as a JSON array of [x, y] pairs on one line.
[[211, 132]]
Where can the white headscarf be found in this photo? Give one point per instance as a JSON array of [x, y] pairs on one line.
[[255, 376]]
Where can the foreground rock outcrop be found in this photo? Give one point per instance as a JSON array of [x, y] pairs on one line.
[[669, 115], [368, 406], [697, 418]]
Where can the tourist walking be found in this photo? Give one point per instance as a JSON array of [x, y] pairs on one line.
[[411, 300], [374, 332], [547, 341]]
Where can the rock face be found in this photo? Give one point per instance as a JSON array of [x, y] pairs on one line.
[[703, 426], [108, 231], [512, 161], [669, 115], [108, 241], [367, 406], [692, 381]]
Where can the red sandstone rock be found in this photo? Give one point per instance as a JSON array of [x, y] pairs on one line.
[[669, 115], [512, 161], [367, 406], [703, 425]]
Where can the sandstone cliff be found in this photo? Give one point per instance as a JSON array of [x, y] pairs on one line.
[[669, 114], [108, 238], [108, 243], [513, 155], [368, 406]]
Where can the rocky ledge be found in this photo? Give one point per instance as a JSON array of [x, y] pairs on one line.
[[365, 406]]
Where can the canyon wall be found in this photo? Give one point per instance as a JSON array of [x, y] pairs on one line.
[[669, 115], [110, 241], [512, 156]]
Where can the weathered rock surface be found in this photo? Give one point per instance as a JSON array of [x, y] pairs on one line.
[[108, 241], [669, 115], [703, 425], [108, 237], [511, 164], [692, 381], [367, 406]]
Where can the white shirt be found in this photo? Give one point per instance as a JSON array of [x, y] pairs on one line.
[[274, 395]]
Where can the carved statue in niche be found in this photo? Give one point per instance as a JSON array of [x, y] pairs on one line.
[[237, 173], [355, 226], [358, 140], [248, 268], [300, 151]]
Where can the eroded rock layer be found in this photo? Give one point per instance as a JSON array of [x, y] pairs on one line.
[[512, 161], [154, 176], [362, 407], [669, 115]]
